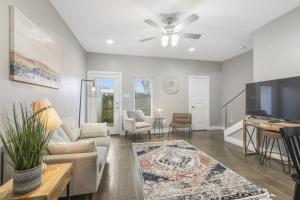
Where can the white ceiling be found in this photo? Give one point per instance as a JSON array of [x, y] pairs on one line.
[[225, 25]]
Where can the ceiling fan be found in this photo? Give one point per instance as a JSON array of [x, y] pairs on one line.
[[171, 33]]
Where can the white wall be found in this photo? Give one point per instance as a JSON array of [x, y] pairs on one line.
[[159, 69], [236, 72], [277, 48], [65, 99]]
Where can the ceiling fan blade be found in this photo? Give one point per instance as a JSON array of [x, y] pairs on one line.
[[192, 18], [190, 35], [153, 24], [147, 39]]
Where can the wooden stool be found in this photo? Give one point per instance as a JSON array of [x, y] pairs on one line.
[[267, 137]]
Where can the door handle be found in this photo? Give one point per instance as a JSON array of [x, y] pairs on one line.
[[193, 106]]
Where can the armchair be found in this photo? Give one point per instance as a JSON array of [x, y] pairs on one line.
[[181, 120], [137, 123]]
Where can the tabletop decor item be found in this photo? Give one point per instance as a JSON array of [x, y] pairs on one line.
[[56, 178], [177, 170], [171, 85], [159, 113], [25, 140]]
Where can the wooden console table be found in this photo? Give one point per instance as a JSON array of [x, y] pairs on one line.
[[258, 125], [55, 179]]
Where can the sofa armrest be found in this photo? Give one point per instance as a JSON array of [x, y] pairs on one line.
[[85, 171]]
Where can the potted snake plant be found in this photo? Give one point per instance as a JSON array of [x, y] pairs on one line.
[[25, 139]]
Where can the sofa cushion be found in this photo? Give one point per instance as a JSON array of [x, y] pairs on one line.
[[136, 115], [141, 125], [71, 147], [70, 127], [99, 141], [89, 130], [59, 135]]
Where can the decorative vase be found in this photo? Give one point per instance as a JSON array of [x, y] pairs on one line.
[[27, 180]]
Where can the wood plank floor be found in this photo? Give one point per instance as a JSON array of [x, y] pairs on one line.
[[118, 181]]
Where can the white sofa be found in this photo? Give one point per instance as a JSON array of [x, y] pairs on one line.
[[134, 127], [87, 166]]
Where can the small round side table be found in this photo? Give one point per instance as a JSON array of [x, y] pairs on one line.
[[159, 120]]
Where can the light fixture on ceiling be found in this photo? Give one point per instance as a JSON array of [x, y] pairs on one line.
[[109, 41], [174, 39], [191, 49], [243, 48], [165, 40], [169, 40], [171, 33]]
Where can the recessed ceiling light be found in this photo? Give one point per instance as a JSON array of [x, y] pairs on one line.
[[191, 49], [109, 41], [243, 47]]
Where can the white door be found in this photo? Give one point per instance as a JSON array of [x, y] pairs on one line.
[[105, 105], [199, 101]]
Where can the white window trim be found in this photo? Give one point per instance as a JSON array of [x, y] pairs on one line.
[[151, 91]]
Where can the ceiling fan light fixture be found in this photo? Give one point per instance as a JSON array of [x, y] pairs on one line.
[[174, 40], [165, 40]]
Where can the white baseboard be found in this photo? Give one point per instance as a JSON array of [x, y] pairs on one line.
[[234, 128], [234, 141]]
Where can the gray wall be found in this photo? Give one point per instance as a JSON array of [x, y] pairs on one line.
[[159, 69], [277, 48], [65, 99], [236, 72]]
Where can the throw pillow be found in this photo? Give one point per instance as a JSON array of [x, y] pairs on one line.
[[71, 129], [136, 115], [89, 130], [59, 135], [71, 147]]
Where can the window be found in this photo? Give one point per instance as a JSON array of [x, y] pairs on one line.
[[143, 95]]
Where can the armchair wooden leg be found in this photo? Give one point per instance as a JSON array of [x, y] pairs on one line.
[[126, 132], [149, 134], [134, 137], [90, 196], [169, 131]]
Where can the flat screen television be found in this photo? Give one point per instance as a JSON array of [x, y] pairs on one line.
[[276, 99]]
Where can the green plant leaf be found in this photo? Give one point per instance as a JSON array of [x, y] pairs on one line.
[[25, 138]]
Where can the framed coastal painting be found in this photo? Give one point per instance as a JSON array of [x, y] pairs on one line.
[[34, 56]]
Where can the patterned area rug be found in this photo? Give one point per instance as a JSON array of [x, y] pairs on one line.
[[176, 170]]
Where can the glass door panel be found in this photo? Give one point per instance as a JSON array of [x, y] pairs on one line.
[[104, 105], [105, 101]]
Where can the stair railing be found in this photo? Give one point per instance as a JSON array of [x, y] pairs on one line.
[[225, 106]]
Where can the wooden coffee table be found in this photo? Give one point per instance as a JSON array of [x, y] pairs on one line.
[[55, 179]]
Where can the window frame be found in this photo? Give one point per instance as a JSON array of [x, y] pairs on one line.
[[151, 92]]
